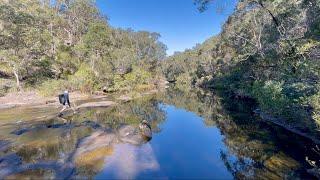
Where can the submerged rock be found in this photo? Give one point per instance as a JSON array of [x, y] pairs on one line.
[[92, 150], [4, 145], [20, 131], [10, 160], [91, 124], [8, 164], [96, 140]]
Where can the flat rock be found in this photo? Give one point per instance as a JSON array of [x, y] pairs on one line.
[[124, 98], [97, 104], [6, 106]]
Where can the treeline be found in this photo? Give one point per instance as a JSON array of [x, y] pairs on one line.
[[68, 44], [267, 50]]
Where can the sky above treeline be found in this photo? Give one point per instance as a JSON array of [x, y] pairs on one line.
[[179, 22]]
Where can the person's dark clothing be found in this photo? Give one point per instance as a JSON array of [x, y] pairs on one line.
[[66, 99]]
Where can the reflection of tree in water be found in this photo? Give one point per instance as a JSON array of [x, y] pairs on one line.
[[254, 149], [203, 103], [258, 150], [133, 112]]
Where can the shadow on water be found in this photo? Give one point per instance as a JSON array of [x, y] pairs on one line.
[[197, 134]]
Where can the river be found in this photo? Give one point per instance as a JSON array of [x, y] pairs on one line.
[[196, 134]]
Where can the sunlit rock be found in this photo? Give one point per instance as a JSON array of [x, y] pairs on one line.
[[96, 104], [124, 98]]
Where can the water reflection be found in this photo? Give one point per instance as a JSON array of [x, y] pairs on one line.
[[129, 161], [196, 135]]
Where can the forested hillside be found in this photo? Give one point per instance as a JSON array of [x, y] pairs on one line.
[[268, 50], [63, 44]]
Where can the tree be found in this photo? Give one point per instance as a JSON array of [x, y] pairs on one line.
[[21, 40]]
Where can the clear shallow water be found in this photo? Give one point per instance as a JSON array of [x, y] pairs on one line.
[[195, 135], [185, 148]]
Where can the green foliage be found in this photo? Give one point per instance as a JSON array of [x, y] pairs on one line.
[[5, 86], [315, 104], [132, 80], [83, 80], [71, 40], [53, 87], [183, 81], [270, 96]]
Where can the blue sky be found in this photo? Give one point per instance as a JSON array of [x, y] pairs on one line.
[[179, 22]]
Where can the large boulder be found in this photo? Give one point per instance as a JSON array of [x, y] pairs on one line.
[[132, 135], [145, 129]]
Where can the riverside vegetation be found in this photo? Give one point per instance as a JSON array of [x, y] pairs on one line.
[[268, 50]]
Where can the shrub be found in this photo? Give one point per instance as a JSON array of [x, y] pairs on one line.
[[132, 80], [5, 86], [84, 79], [270, 96], [53, 87], [184, 79], [315, 104]]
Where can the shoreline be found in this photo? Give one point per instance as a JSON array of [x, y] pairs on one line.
[[32, 98], [42, 110], [276, 121]]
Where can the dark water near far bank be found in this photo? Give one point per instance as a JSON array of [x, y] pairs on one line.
[[195, 135]]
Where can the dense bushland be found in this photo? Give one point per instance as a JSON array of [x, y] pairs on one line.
[[53, 45]]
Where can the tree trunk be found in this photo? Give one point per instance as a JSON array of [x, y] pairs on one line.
[[274, 19], [17, 80]]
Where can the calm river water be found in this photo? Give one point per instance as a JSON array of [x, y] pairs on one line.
[[195, 135]]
